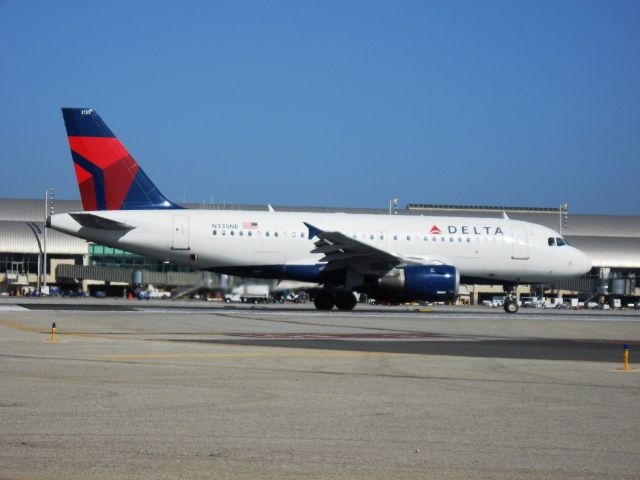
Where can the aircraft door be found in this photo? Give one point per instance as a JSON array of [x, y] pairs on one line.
[[520, 243], [180, 238]]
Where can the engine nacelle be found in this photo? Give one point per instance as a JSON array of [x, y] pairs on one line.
[[418, 282]]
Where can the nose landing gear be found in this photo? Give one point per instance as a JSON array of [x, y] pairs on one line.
[[511, 305], [511, 300]]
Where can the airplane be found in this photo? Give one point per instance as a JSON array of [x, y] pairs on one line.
[[394, 258]]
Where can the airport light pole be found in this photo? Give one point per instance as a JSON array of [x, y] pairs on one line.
[[564, 216], [49, 207], [393, 203], [36, 232]]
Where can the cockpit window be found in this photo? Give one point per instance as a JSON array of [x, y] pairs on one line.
[[552, 242], [561, 242]]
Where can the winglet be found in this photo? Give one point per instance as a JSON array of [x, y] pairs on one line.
[[505, 216], [313, 231], [270, 208]]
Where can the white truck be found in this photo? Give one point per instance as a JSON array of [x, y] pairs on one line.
[[533, 302], [248, 294], [152, 294]]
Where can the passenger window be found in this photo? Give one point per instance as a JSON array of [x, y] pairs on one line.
[[232, 233], [468, 240], [293, 234], [249, 233], [275, 234], [560, 242], [459, 239], [240, 233], [266, 234], [552, 242], [408, 238], [224, 232], [215, 232], [381, 237], [371, 237], [395, 237], [302, 235]]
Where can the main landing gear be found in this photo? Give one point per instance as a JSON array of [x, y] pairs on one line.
[[342, 300], [511, 300]]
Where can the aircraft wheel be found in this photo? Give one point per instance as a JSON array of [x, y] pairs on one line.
[[345, 301], [510, 306], [324, 301]]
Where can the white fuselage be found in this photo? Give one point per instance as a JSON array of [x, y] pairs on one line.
[[246, 241]]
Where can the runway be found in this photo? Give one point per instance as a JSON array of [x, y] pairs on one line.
[[184, 389], [381, 339]]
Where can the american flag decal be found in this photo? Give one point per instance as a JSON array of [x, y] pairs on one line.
[[250, 225]]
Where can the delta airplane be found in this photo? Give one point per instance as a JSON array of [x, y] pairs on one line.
[[393, 258]]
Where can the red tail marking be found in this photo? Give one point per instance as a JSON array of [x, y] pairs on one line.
[[118, 167], [87, 190], [102, 151]]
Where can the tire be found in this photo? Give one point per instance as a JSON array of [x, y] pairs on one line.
[[510, 306], [345, 301], [324, 301]]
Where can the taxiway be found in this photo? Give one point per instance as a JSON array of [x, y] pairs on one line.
[[189, 390]]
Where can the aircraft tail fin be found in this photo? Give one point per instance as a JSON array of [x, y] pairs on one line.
[[108, 176]]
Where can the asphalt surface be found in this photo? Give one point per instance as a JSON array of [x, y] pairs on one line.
[[533, 349], [192, 390]]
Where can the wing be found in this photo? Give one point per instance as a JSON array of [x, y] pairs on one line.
[[343, 252]]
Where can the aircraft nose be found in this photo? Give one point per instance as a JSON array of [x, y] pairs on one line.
[[583, 262]]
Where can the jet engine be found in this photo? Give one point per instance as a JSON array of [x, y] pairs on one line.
[[417, 282]]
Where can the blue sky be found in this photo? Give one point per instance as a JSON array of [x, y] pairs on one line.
[[334, 103]]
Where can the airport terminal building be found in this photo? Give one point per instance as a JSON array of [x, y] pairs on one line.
[[612, 242]]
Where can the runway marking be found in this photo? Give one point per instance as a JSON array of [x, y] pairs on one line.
[[297, 353], [19, 326]]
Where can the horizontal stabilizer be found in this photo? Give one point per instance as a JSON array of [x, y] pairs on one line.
[[90, 220]]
